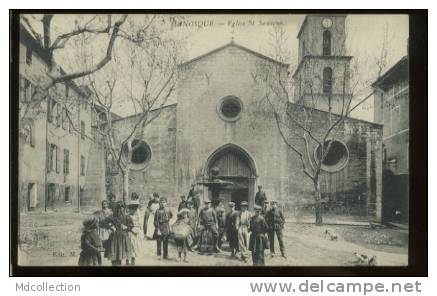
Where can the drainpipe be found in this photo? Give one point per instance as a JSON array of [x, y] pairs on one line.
[[46, 191], [78, 155]]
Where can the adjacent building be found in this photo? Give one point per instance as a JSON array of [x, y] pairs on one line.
[[392, 111], [55, 136]]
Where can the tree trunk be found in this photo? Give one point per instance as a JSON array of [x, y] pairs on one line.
[[125, 174], [318, 205]]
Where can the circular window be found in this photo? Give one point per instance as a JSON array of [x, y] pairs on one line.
[[229, 108], [337, 157], [141, 154]]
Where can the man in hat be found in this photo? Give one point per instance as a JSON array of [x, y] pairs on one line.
[[183, 203], [275, 221], [258, 241], [260, 196], [208, 220], [243, 230], [162, 225], [231, 222], [265, 209]]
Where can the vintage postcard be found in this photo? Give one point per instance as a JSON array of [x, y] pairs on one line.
[[163, 139]]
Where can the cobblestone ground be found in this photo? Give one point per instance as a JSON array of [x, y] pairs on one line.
[[53, 239]]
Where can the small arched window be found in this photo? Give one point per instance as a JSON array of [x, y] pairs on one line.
[[327, 80], [326, 43]]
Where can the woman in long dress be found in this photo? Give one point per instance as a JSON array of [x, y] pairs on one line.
[[150, 214], [119, 244], [135, 233]]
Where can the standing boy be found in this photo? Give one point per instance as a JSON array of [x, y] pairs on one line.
[[258, 240], [162, 227]]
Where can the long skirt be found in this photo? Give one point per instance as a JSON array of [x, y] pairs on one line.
[[119, 246], [150, 226], [137, 244], [90, 258]]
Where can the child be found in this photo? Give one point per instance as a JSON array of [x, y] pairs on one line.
[[90, 243], [181, 231], [162, 227], [258, 241]]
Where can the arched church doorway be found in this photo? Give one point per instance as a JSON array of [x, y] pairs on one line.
[[237, 166]]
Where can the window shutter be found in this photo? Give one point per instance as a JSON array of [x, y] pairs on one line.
[[32, 136], [58, 160]]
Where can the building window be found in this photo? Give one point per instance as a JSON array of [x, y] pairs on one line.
[[67, 194], [52, 107], [326, 43], [336, 157], [52, 158], [327, 80], [58, 115], [82, 165], [395, 119], [32, 136], [303, 49], [229, 108], [28, 55], [141, 154], [65, 119], [58, 160], [25, 89], [66, 162], [82, 130], [67, 91]]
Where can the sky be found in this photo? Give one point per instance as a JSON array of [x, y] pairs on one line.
[[201, 33]]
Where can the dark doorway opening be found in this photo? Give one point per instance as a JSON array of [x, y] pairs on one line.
[[235, 166]]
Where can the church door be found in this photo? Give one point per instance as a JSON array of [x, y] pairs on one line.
[[234, 166]]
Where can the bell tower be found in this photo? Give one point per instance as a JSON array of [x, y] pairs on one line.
[[322, 74]]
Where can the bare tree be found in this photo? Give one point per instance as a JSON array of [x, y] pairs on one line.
[[150, 79], [295, 116]]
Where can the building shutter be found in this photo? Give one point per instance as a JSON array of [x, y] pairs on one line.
[[58, 160], [32, 136]]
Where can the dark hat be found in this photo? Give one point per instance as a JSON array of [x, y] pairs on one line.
[[244, 203], [182, 196], [266, 202], [231, 204], [259, 186], [163, 199], [257, 208], [90, 222], [207, 201], [155, 194]]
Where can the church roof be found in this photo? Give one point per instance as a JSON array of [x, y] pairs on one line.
[[233, 44]]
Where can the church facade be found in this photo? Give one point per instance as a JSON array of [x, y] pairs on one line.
[[216, 122]]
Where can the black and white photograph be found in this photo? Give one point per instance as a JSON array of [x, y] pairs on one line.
[[206, 139]]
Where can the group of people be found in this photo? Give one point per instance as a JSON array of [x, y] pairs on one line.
[[114, 232], [117, 232]]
